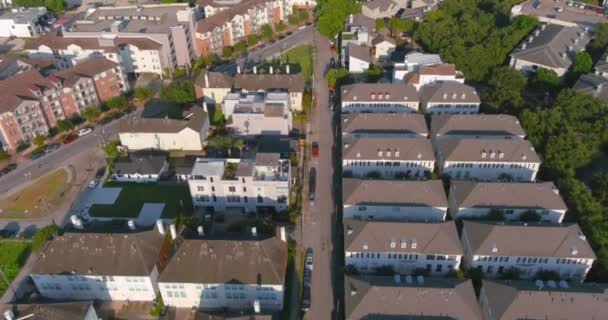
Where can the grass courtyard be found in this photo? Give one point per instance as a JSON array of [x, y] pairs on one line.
[[133, 196], [301, 55], [13, 255], [38, 199]]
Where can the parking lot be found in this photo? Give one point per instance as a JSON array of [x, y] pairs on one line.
[[559, 12]]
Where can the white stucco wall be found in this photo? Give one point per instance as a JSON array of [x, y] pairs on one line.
[[360, 168], [519, 171], [186, 139], [395, 212], [380, 107], [403, 262]]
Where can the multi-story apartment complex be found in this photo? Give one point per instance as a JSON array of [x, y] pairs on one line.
[[13, 64], [505, 300], [23, 22], [469, 199], [487, 159], [390, 157], [355, 125], [99, 266], [241, 184], [405, 247], [449, 97], [33, 103], [368, 297], [394, 200], [238, 275], [228, 22], [496, 248], [478, 126], [256, 114], [383, 98]]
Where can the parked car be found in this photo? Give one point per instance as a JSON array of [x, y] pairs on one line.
[[308, 262], [312, 185], [93, 183], [315, 149], [100, 172], [70, 138], [8, 169], [103, 121], [36, 154], [51, 147], [84, 131]]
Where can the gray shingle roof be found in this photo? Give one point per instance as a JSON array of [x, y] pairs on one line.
[[431, 238], [363, 92], [359, 52], [394, 192], [387, 123], [448, 92], [215, 79], [470, 194], [593, 85], [474, 149], [195, 122], [471, 124], [140, 163], [255, 82], [381, 298], [514, 239], [367, 148], [49, 311]]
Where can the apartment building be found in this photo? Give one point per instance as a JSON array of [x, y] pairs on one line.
[[256, 113], [429, 73], [487, 159], [496, 248], [50, 311], [502, 300], [189, 133], [99, 266], [244, 185], [368, 297], [238, 275], [23, 22], [449, 97], [390, 157], [33, 103], [516, 200], [13, 64], [228, 22], [475, 126], [394, 200], [356, 125], [404, 247], [379, 97]]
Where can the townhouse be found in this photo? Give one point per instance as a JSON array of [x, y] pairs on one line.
[[596, 83], [516, 201], [99, 266], [388, 157], [487, 159], [140, 167], [412, 62], [550, 46], [478, 126], [394, 200], [33, 103], [358, 57], [23, 22], [403, 247], [189, 133], [368, 297], [497, 248], [384, 47], [383, 98], [449, 97], [50, 311], [241, 185], [238, 275], [356, 35], [227, 23], [502, 300], [256, 114], [430, 73], [355, 125]]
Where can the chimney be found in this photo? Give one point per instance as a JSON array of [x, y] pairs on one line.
[[537, 32], [76, 222], [283, 235], [205, 106], [271, 70], [524, 46], [599, 87], [238, 69], [173, 232], [131, 224], [543, 27], [254, 231], [9, 315], [201, 230], [206, 80], [256, 306], [530, 39], [160, 227], [255, 70], [287, 69]]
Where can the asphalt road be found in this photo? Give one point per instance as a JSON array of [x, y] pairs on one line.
[[298, 37]]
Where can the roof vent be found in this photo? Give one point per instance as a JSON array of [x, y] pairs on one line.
[[494, 248], [419, 155], [414, 244], [539, 284], [373, 96], [537, 32], [483, 154], [501, 155], [353, 290], [420, 280], [524, 46], [530, 39], [358, 154], [403, 243], [574, 251], [564, 55], [543, 27], [445, 96], [582, 236], [524, 157], [365, 246], [346, 145], [349, 231], [393, 243], [463, 96]]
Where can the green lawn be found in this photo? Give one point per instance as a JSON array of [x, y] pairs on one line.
[[13, 255], [133, 196], [301, 55]]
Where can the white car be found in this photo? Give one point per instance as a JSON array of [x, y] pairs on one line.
[[84, 131], [93, 183]]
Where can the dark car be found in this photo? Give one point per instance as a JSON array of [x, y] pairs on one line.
[[69, 139], [8, 169], [100, 172], [288, 33], [281, 37], [51, 147], [103, 121], [36, 154]]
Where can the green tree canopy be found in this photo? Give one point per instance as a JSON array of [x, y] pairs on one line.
[[505, 90], [599, 186], [380, 24], [91, 113], [110, 149], [280, 27], [143, 93], [545, 80], [293, 19], [332, 14], [118, 102], [252, 40], [583, 63], [227, 52], [180, 92], [43, 235], [336, 76], [373, 74], [64, 125], [600, 36], [303, 15], [267, 31], [39, 140]]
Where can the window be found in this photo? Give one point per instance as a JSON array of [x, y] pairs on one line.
[[260, 199], [439, 268], [232, 189], [200, 188]]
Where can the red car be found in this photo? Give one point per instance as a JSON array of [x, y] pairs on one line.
[[70, 139], [315, 149]]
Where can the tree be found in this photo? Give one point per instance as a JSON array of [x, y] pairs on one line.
[[599, 186], [143, 94], [239, 144], [303, 15], [545, 80], [337, 76], [396, 25], [600, 36], [505, 88], [252, 40], [180, 92], [110, 149], [280, 27], [39, 140], [293, 19], [91, 113], [227, 52], [64, 125], [4, 155], [380, 24], [267, 32], [56, 6], [118, 103], [240, 47], [43, 235], [332, 14], [583, 63], [373, 74]]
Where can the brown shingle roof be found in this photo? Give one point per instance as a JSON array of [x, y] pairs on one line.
[[473, 150], [359, 52], [254, 82], [128, 254], [430, 237], [158, 125], [384, 123], [216, 80], [448, 92], [364, 92], [428, 193], [367, 148], [470, 194], [19, 87], [444, 69], [88, 69], [374, 297], [49, 311], [486, 124], [243, 261], [514, 239]]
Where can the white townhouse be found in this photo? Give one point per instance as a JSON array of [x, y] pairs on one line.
[[390, 157], [449, 97], [495, 248], [256, 114], [430, 73], [379, 97], [219, 275], [469, 199], [355, 125], [99, 266], [405, 247], [412, 63], [487, 159], [23, 22], [394, 199], [507, 300], [475, 126], [188, 134], [241, 184]]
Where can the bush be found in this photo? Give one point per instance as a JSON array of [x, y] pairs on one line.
[[180, 72], [530, 216], [91, 113], [252, 40], [143, 93], [64, 125], [385, 271], [179, 92], [39, 140], [117, 103], [22, 146], [401, 175], [155, 312], [43, 235], [267, 32], [293, 19], [374, 175], [227, 52], [293, 158], [240, 47], [4, 155], [373, 74], [546, 275]]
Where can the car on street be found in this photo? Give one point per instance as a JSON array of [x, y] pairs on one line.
[[315, 150], [312, 185], [103, 121], [100, 172], [51, 147], [36, 154], [308, 262], [84, 131], [69, 139], [288, 33], [332, 62], [302, 28], [93, 183], [8, 169]]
